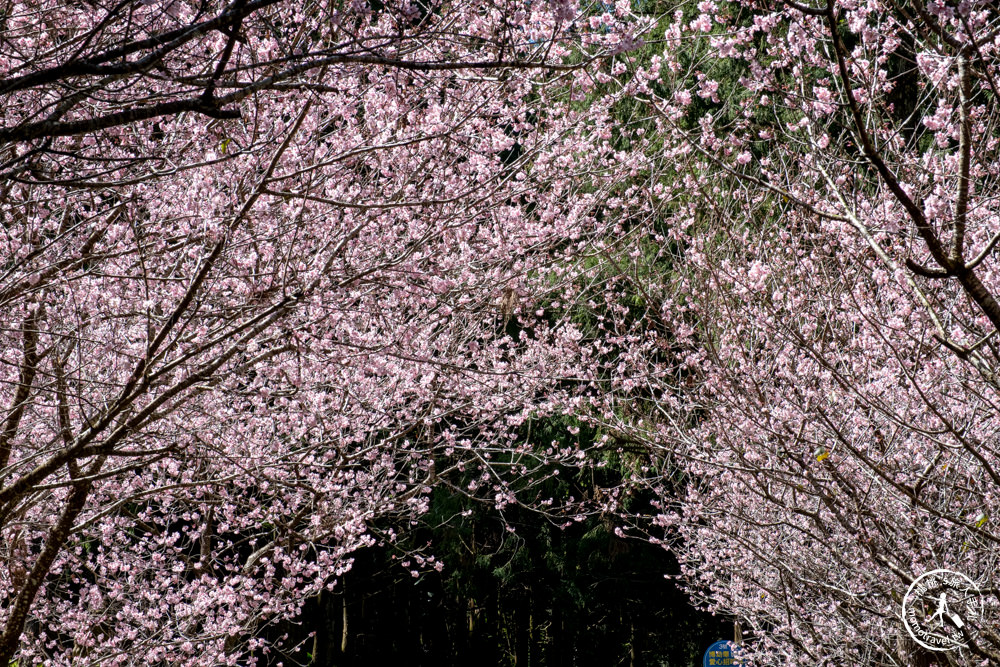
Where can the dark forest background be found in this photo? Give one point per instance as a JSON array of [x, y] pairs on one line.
[[546, 596], [516, 590]]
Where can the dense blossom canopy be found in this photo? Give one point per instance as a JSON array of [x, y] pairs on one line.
[[833, 406], [270, 270]]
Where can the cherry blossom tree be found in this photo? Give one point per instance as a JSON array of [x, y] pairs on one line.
[[270, 271], [828, 407]]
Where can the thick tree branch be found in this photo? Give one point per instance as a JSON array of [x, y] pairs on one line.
[[29, 367], [957, 257], [164, 42]]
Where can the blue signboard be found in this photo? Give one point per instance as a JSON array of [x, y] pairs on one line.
[[720, 654]]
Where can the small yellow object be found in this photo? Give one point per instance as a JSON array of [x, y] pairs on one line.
[[823, 456], [981, 520]]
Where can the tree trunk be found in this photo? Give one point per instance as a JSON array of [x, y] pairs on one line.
[[343, 630]]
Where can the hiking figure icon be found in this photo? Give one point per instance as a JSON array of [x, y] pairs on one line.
[[942, 612]]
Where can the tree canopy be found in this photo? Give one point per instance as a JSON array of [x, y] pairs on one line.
[[277, 279]]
